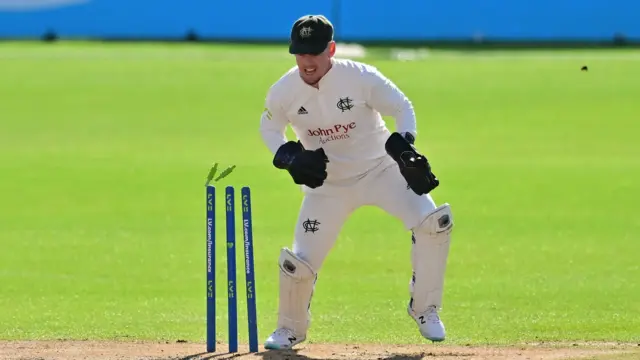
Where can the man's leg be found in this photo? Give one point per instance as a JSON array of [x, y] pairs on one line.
[[319, 222], [431, 228]]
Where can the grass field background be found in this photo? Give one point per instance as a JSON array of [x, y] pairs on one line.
[[104, 150]]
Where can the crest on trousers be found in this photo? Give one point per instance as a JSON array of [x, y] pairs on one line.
[[310, 225], [305, 32]]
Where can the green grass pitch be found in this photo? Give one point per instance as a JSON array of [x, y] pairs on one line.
[[104, 151]]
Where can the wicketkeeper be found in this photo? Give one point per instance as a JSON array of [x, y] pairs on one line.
[[344, 158]]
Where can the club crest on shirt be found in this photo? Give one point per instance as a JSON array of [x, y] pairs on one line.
[[345, 104]]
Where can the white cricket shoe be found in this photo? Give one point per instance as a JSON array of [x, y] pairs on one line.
[[431, 327], [282, 339]]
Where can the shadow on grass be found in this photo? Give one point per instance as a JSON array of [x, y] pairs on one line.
[[291, 355], [209, 356], [295, 355]]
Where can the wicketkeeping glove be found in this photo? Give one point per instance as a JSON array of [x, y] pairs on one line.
[[306, 167], [414, 167]]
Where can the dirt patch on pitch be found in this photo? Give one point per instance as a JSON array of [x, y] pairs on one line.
[[114, 350]]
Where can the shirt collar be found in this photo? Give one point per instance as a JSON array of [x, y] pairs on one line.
[[325, 80]]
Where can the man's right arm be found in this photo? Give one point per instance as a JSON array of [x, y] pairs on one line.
[[273, 124], [305, 167]]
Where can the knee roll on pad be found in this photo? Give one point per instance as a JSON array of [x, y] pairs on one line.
[[438, 221], [293, 266], [297, 280], [429, 253]]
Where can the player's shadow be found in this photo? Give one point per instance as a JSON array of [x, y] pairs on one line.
[[210, 356], [294, 355]]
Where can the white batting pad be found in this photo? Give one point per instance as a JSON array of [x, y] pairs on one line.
[[297, 280], [429, 252]]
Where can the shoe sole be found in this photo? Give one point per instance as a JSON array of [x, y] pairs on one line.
[[274, 347], [271, 346]]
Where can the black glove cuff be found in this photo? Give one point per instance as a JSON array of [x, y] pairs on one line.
[[397, 145], [285, 154], [409, 137]]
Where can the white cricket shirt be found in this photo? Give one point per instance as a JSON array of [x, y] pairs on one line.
[[343, 116]]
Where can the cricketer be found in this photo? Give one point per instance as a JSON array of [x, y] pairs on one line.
[[344, 158]]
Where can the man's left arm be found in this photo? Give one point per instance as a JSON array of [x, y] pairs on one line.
[[389, 100]]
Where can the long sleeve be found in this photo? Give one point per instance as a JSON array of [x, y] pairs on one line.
[[273, 124], [389, 100]]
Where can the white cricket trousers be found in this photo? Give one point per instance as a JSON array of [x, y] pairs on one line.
[[323, 213]]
